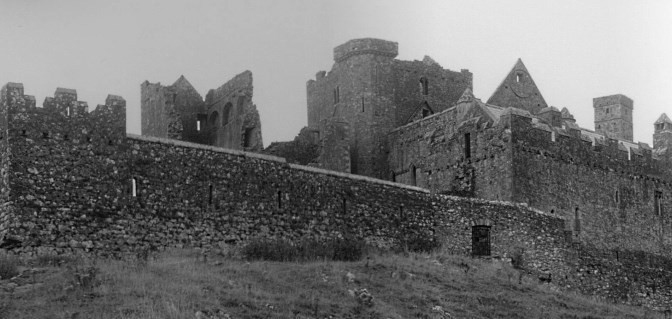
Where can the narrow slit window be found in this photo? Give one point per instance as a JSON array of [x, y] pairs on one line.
[[519, 77], [198, 126], [337, 95], [133, 188], [424, 86], [279, 200], [577, 220], [210, 195], [362, 104], [467, 145], [414, 177], [67, 111], [345, 205]]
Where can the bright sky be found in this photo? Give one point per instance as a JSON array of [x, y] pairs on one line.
[[574, 49]]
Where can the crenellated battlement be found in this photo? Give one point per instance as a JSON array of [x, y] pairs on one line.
[[366, 46], [62, 117], [586, 148]]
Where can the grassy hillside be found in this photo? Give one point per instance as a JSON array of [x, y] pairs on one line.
[[180, 284]]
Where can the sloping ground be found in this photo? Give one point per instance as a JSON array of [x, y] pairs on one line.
[[180, 284]]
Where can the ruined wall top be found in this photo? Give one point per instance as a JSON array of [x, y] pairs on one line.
[[366, 46]]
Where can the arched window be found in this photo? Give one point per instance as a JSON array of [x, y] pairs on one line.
[[424, 86], [226, 116], [214, 119]]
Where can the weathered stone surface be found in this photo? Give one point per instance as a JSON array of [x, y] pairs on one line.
[[373, 93], [227, 117]]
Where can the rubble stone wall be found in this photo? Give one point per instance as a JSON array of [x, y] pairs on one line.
[[610, 201], [431, 153]]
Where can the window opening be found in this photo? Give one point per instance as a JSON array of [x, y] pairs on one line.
[[67, 111], [518, 77], [279, 199], [210, 195], [413, 176], [657, 202], [226, 115], [424, 86], [214, 119], [362, 104], [425, 113], [577, 220], [480, 240], [198, 126], [45, 134], [607, 111], [552, 136], [133, 187], [337, 94], [467, 145], [247, 137], [345, 205]]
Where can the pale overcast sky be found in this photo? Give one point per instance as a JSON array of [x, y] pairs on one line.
[[574, 50]]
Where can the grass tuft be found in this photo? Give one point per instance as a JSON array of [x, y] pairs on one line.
[[176, 284], [345, 249], [9, 266]]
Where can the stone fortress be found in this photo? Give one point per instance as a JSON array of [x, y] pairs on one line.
[[395, 152]]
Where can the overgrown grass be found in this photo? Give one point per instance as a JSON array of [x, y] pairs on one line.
[[178, 284], [9, 266], [338, 249]]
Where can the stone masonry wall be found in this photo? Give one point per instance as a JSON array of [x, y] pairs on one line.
[[608, 199], [67, 172], [233, 120], [374, 93], [431, 153]]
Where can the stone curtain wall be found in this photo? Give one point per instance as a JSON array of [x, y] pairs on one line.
[[255, 195], [615, 196], [67, 170]]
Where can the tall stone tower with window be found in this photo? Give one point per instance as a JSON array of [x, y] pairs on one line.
[[662, 134], [613, 116]]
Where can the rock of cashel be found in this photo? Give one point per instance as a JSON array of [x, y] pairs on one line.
[[393, 151]]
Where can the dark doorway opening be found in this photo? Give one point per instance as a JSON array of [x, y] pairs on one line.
[[480, 240]]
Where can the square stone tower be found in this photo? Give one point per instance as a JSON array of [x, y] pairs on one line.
[[613, 116]]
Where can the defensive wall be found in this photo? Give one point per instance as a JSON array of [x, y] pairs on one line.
[[613, 196], [111, 193]]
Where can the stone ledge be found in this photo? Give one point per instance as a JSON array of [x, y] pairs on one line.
[[272, 158], [357, 177], [205, 147]]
